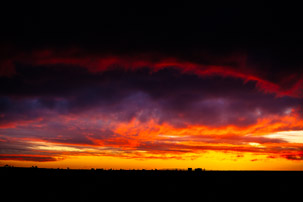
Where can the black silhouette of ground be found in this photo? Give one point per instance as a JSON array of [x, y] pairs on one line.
[[34, 184]]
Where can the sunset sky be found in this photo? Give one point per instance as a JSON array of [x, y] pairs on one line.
[[217, 89]]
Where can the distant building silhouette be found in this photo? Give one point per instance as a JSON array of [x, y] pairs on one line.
[[198, 169], [189, 169]]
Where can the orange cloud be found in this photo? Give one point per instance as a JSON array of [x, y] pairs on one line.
[[59, 134]]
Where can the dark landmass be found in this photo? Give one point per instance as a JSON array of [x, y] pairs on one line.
[[35, 184]]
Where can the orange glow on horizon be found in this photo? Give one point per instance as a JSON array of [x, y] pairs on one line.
[[95, 137], [150, 145]]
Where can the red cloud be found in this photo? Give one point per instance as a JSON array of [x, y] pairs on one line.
[[148, 138], [22, 157], [229, 66]]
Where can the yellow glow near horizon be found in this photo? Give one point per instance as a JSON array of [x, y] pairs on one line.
[[209, 160], [150, 145]]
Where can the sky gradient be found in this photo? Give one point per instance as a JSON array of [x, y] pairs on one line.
[[151, 92], [58, 107]]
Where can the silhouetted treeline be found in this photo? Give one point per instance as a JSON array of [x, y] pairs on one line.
[[37, 184]]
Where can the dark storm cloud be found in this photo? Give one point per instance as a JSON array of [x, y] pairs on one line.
[[59, 129], [28, 158], [268, 34], [166, 95], [298, 157]]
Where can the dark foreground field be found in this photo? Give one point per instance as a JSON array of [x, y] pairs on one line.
[[30, 184]]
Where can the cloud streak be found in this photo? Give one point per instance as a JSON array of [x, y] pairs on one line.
[[69, 103]]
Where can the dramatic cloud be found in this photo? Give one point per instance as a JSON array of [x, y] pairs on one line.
[[69, 103], [27, 158], [234, 65]]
